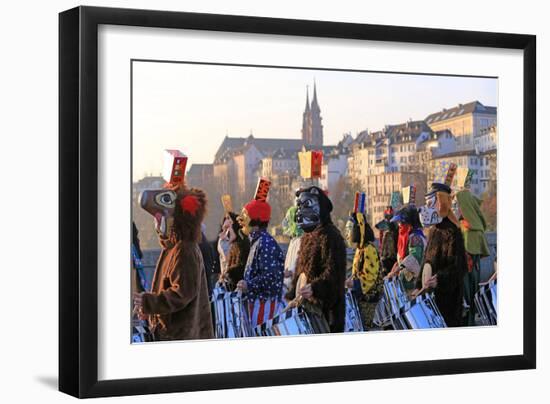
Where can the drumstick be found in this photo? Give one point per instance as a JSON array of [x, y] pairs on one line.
[[297, 301], [423, 290]]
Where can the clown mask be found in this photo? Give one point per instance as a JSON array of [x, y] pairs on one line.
[[308, 215], [244, 221], [161, 205]]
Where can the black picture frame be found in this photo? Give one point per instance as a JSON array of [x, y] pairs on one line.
[[78, 196]]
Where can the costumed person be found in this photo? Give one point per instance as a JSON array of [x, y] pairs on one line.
[[138, 276], [239, 248], [365, 279], [140, 326], [223, 244], [411, 242], [321, 268], [207, 253], [177, 306], [235, 253], [292, 230], [445, 257], [263, 274], [388, 240], [473, 226]]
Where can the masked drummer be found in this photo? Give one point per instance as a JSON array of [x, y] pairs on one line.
[[292, 230], [321, 266], [388, 240], [177, 306], [263, 274], [365, 279], [473, 226], [410, 242], [445, 257]]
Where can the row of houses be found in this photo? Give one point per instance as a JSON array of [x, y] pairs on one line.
[[378, 162]]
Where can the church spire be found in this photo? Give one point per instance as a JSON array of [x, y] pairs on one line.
[[314, 101], [307, 98]]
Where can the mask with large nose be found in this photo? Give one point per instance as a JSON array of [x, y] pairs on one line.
[[308, 214], [428, 213], [160, 204]]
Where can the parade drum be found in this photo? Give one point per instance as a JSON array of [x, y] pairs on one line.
[[218, 311], [231, 318], [141, 332], [293, 321], [382, 314], [486, 303], [353, 315], [393, 299], [419, 313]]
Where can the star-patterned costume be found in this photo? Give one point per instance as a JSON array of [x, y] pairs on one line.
[[264, 277]]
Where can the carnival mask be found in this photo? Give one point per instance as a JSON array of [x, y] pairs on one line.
[[161, 205], [351, 224], [290, 227], [429, 214], [443, 204], [244, 221], [308, 215]]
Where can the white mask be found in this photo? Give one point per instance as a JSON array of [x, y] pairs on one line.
[[428, 213]]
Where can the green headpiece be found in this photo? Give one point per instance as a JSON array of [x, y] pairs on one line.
[[290, 227]]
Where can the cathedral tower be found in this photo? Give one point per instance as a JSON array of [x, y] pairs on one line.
[[312, 128]]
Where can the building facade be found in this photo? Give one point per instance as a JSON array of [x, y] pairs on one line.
[[465, 121], [379, 188], [199, 174], [487, 139], [279, 162], [239, 162]]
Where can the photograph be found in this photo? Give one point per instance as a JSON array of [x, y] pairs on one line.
[[276, 201]]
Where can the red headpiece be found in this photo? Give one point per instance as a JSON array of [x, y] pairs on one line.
[[258, 210]]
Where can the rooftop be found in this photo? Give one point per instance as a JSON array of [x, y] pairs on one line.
[[460, 109], [235, 145]]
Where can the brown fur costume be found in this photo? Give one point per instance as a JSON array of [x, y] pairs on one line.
[[446, 254], [178, 304], [323, 260]]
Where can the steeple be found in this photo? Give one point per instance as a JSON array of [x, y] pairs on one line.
[[312, 128], [314, 102]]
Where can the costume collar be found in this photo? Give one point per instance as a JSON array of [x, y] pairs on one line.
[[256, 234]]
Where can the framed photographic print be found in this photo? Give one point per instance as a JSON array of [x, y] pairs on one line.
[[243, 200]]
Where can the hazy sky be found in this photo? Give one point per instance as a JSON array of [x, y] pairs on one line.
[[192, 107]]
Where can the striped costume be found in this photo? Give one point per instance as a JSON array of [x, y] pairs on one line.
[[264, 277]]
